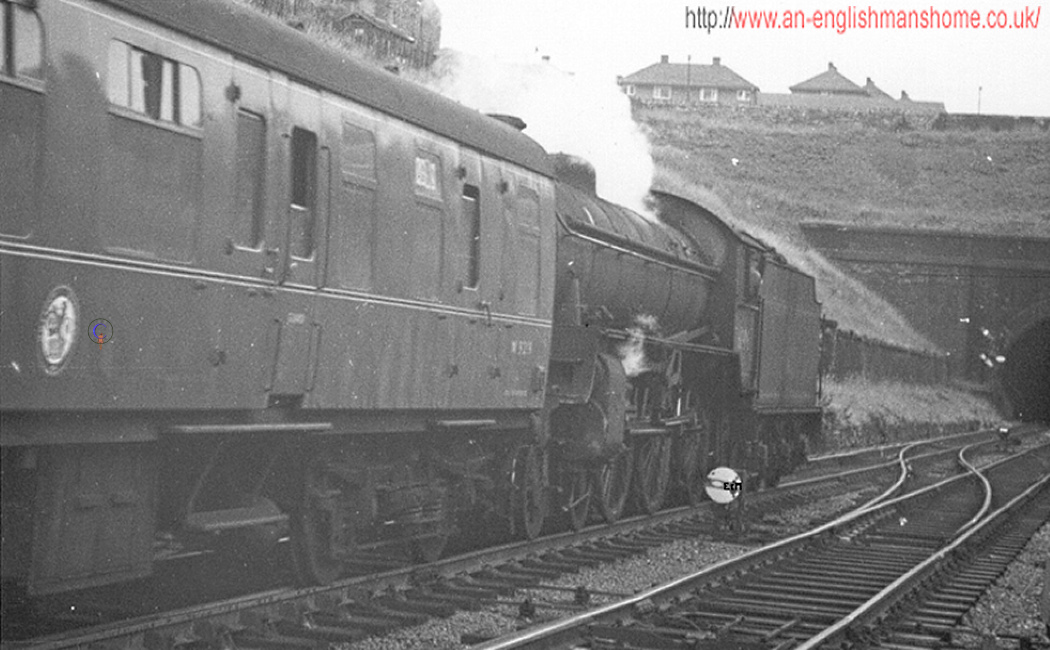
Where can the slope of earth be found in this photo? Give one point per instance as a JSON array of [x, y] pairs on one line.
[[978, 182]]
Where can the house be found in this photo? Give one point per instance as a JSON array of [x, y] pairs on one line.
[[688, 83], [829, 82], [382, 39], [875, 91], [830, 90], [406, 32]]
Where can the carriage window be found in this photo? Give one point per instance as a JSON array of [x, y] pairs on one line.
[[472, 217], [359, 152], [251, 168], [21, 42], [428, 175], [304, 187], [753, 279], [189, 95], [153, 85]]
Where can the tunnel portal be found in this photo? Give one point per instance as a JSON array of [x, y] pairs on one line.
[[1026, 374]]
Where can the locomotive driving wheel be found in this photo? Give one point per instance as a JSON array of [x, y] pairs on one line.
[[576, 497], [652, 471], [612, 484], [691, 458], [323, 532]]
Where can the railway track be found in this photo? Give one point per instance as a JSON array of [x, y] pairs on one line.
[[401, 595], [852, 581]]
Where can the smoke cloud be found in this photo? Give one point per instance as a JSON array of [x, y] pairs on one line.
[[577, 114], [632, 351]]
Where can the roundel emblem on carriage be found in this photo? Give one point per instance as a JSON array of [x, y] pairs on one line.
[[57, 329]]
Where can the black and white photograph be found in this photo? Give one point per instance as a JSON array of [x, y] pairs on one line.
[[477, 325]]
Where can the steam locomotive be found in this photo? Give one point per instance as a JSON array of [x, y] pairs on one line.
[[254, 290]]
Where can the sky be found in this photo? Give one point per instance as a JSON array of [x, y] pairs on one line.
[[1008, 69]]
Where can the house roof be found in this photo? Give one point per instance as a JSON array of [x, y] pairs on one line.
[[875, 91], [715, 75], [382, 25], [830, 81]]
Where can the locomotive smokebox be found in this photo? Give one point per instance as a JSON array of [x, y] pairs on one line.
[[575, 171]]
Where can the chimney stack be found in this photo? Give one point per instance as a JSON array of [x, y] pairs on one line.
[[831, 66], [663, 58], [716, 60], [904, 97]]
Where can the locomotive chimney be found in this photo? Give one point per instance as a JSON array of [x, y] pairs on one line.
[[575, 171]]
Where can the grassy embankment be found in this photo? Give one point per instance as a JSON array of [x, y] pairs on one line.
[[860, 413]]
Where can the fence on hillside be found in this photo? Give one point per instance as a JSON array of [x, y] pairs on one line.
[[846, 354]]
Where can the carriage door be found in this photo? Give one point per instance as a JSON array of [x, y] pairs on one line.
[[303, 215], [251, 244], [21, 118]]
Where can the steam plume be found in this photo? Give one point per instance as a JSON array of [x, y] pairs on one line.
[[574, 113]]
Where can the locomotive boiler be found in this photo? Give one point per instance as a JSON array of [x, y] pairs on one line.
[[341, 310]]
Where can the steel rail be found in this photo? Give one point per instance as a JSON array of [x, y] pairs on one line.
[[881, 448], [987, 490], [392, 578], [537, 636], [905, 470], [892, 592], [898, 461]]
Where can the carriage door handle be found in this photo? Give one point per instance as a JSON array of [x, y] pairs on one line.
[[270, 269]]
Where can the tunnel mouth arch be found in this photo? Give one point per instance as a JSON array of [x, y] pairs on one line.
[[1025, 375]]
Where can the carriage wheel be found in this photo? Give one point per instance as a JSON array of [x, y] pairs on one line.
[[322, 532], [612, 484], [652, 472], [690, 458], [577, 497], [528, 492]]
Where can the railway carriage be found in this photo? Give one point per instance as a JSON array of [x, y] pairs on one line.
[[288, 245], [253, 290]]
